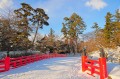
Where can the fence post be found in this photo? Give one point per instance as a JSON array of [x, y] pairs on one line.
[[36, 57], [103, 65], [7, 63], [20, 61], [83, 63], [84, 57]]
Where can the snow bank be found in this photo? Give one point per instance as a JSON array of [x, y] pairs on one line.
[[112, 54], [114, 70]]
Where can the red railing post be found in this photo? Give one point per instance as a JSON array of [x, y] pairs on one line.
[[83, 63], [40, 57], [92, 67], [103, 65], [36, 56], [29, 59], [7, 63], [20, 61], [103, 68], [84, 57]]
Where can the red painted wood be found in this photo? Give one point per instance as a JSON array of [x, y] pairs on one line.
[[95, 66], [7, 63]]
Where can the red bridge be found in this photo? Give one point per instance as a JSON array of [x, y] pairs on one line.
[[10, 63], [95, 66]]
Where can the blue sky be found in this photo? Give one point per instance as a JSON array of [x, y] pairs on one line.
[[90, 10]]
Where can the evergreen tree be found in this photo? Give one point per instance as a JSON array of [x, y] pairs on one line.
[[51, 37], [117, 28], [64, 31], [96, 27], [108, 29], [11, 36], [72, 27], [23, 15], [27, 17], [39, 19]]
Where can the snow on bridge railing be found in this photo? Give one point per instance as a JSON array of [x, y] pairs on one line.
[[8, 63]]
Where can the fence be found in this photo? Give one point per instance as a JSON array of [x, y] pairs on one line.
[[10, 63], [95, 66]]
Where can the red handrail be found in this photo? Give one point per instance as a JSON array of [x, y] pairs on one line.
[[7, 63], [95, 66]]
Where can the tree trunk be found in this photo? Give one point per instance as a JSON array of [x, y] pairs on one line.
[[76, 49], [8, 50], [70, 46], [35, 35], [75, 46]]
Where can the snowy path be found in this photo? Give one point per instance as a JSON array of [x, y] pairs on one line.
[[56, 68]]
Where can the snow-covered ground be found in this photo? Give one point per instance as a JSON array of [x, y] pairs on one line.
[[112, 54], [56, 68]]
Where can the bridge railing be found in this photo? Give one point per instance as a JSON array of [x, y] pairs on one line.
[[95, 66], [10, 63]]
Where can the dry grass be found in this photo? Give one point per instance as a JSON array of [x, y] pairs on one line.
[[109, 77]]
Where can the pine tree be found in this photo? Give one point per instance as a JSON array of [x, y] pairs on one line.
[[108, 29], [64, 31], [117, 28], [97, 35], [51, 37], [23, 14], [96, 27], [72, 27], [39, 19], [29, 16]]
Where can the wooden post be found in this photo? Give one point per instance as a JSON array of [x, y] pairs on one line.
[[20, 61], [7, 63], [103, 65], [83, 63], [103, 68], [84, 57]]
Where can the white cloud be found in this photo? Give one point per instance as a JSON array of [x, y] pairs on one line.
[[96, 4], [5, 3]]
